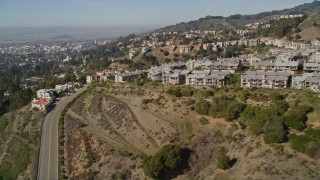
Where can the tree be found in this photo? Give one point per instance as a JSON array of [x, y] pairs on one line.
[[69, 77], [20, 99]]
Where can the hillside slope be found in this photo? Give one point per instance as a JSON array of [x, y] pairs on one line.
[[236, 21], [111, 128], [208, 24], [310, 28]]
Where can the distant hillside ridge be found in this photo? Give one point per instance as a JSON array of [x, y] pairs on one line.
[[237, 20], [62, 37]]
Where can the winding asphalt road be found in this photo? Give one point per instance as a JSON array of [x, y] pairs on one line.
[[48, 158]]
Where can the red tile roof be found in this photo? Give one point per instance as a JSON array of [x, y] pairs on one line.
[[42, 101]]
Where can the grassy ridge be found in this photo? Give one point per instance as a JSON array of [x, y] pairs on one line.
[[18, 144], [19, 163]]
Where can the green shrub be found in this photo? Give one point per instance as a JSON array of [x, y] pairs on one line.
[[224, 162], [243, 95], [175, 92], [208, 93], [248, 113], [225, 107], [202, 107], [314, 133], [167, 159], [280, 107], [233, 111], [264, 119], [294, 122], [187, 91], [3, 124], [278, 136], [276, 96], [19, 163], [256, 126], [233, 79], [297, 117], [299, 142], [304, 144]]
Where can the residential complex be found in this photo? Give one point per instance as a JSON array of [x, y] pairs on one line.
[[275, 80], [307, 81], [277, 66]]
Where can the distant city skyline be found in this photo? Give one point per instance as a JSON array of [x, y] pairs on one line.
[[126, 13]]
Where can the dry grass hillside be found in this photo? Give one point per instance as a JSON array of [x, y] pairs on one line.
[[112, 126], [311, 27]]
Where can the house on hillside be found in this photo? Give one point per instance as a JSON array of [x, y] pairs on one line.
[[243, 42], [315, 57], [198, 78], [155, 73], [172, 78], [133, 53], [145, 49], [128, 77], [254, 58], [45, 93], [231, 65], [311, 67], [198, 47], [207, 46], [185, 49], [89, 79], [176, 76], [315, 43], [253, 42], [41, 104]]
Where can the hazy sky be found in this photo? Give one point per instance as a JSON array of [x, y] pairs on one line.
[[149, 13]]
